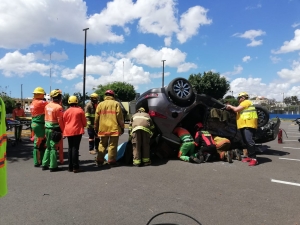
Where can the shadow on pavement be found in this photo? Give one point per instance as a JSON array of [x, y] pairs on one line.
[[20, 151], [273, 152], [262, 160]]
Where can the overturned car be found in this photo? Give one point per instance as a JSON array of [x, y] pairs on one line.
[[177, 103]]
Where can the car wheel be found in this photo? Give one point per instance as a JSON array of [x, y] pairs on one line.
[[181, 91], [263, 115]]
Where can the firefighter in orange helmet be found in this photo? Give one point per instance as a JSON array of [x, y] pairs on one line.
[[37, 109], [109, 123], [54, 127]]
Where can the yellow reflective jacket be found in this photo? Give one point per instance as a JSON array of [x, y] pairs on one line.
[[141, 121], [90, 109], [109, 119], [3, 139], [248, 116]]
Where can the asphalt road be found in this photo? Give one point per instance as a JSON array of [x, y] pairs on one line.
[[212, 193]]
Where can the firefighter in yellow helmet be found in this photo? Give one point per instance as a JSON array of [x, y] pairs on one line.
[[246, 119], [140, 132], [90, 110], [54, 127], [109, 122], [37, 109]]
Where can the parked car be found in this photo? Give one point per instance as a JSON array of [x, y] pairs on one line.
[[177, 103]]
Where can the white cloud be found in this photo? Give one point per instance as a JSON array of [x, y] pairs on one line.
[[246, 58], [275, 59], [291, 75], [295, 25], [184, 67], [15, 63], [55, 56], [236, 70], [40, 21], [290, 46], [168, 41], [255, 87], [190, 22], [159, 75], [251, 35], [148, 56]]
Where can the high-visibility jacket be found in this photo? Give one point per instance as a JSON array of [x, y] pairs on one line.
[[248, 116], [203, 139], [109, 118], [37, 110], [141, 121], [3, 139], [74, 121], [183, 134], [90, 109], [54, 116], [18, 113]]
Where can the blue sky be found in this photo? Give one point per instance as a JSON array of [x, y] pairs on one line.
[[254, 44]]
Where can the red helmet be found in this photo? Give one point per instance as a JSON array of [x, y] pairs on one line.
[[199, 125], [110, 92]]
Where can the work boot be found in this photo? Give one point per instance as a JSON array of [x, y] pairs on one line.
[[136, 165], [78, 170], [253, 162], [207, 157], [194, 159], [37, 165], [246, 159], [228, 156], [93, 152], [55, 169], [45, 168], [147, 163], [237, 154]]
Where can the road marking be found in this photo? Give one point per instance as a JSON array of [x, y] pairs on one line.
[[293, 132], [295, 136], [291, 147], [285, 182], [290, 140], [290, 159]]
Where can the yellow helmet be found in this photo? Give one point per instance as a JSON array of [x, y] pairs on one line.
[[94, 95], [243, 94], [73, 100], [38, 90], [55, 93], [141, 109]]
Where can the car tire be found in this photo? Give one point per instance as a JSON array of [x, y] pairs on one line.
[[181, 91], [263, 115]]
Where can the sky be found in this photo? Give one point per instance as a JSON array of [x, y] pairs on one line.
[[254, 44]]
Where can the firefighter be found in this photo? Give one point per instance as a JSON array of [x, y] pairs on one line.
[[140, 132], [37, 109], [187, 147], [246, 119], [109, 124], [18, 112], [205, 144], [90, 110], [54, 127], [75, 121]]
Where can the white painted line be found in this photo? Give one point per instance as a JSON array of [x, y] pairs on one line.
[[290, 159], [293, 132], [291, 147], [285, 182], [294, 136], [290, 140]]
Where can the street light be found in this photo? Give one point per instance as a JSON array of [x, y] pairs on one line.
[[163, 73], [84, 65]]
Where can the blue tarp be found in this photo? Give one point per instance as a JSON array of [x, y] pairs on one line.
[[121, 151]]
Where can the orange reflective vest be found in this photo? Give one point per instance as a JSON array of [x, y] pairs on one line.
[[54, 116], [3, 139], [18, 113]]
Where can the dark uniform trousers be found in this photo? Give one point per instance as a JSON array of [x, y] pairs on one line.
[[141, 146]]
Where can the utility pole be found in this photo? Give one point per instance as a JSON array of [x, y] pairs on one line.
[[163, 73], [123, 71], [84, 65]]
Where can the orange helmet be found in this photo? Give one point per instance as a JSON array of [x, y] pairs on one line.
[[199, 125], [110, 92]]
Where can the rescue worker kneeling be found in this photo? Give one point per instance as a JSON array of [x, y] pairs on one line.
[[140, 132], [205, 144], [187, 148], [54, 127]]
